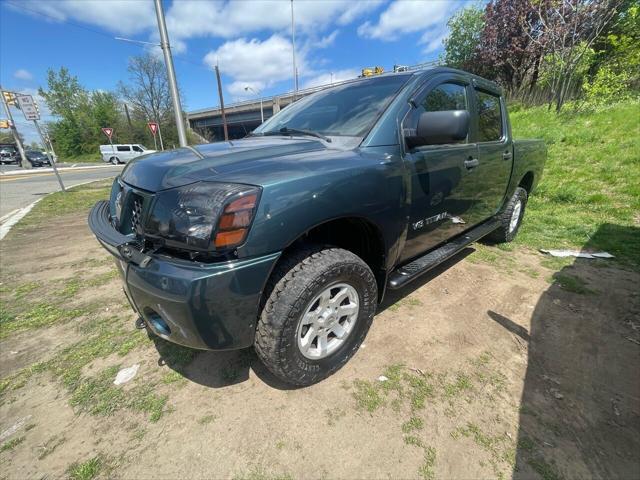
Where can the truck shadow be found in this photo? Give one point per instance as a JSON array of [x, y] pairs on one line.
[[225, 368], [580, 406]]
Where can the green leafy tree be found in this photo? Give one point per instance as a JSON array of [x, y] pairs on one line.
[[616, 70], [465, 29]]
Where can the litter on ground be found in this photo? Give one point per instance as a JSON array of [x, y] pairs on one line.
[[126, 374], [576, 253]]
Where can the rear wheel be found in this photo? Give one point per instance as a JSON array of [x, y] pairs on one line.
[[320, 307], [510, 218], [114, 160]]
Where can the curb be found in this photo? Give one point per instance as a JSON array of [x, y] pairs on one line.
[[10, 219]]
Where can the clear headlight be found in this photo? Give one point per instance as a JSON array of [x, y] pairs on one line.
[[203, 216]]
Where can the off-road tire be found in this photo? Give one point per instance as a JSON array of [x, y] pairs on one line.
[[505, 233], [295, 282]]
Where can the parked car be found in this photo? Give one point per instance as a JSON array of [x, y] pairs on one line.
[[288, 239], [37, 158], [9, 153], [122, 153]]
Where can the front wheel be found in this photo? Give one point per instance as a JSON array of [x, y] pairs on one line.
[[320, 307]]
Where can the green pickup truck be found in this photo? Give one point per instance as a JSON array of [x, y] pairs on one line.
[[287, 239]]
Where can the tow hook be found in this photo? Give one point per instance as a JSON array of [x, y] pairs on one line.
[[140, 323]]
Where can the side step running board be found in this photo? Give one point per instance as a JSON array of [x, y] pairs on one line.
[[414, 269]]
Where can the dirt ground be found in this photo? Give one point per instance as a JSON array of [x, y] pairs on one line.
[[498, 364]]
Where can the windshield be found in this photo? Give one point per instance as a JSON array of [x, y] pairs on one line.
[[346, 110]]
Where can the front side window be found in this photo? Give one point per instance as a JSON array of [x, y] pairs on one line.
[[345, 110], [137, 148], [489, 117], [448, 96]]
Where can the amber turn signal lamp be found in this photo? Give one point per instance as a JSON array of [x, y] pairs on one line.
[[235, 220]]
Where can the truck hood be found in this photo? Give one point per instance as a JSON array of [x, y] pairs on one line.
[[174, 168]]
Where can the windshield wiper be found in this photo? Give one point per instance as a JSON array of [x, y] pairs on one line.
[[297, 131]]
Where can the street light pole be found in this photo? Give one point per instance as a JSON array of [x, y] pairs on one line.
[[259, 93], [171, 74]]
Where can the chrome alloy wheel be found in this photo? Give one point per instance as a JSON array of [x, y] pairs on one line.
[[328, 321], [515, 216]]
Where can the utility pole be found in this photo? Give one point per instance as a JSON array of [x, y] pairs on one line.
[[293, 44], [224, 118], [14, 130], [126, 110], [171, 74], [50, 155]]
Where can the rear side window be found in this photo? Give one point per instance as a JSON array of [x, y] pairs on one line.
[[448, 96], [123, 148], [489, 117]]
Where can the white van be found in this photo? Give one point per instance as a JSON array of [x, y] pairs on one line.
[[122, 152]]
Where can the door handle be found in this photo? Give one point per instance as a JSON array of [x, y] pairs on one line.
[[507, 156], [471, 163]]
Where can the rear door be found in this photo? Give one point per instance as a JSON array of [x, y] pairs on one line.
[[495, 152], [124, 152], [440, 175]]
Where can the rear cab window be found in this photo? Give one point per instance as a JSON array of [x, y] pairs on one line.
[[490, 121]]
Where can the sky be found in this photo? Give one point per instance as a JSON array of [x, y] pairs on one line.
[[250, 40]]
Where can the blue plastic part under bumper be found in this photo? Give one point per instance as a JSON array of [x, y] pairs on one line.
[[199, 305]]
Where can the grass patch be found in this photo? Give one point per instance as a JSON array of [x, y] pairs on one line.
[[98, 396], [367, 395], [41, 315], [414, 423], [571, 283], [429, 461], [75, 200], [86, 470], [207, 419], [11, 444], [589, 194], [545, 470], [25, 289], [82, 158]]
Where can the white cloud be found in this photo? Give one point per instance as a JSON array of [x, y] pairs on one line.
[[252, 62], [125, 17], [402, 17], [22, 74], [327, 78], [210, 18], [433, 40], [327, 40]]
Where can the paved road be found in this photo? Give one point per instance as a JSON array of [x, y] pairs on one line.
[[17, 191]]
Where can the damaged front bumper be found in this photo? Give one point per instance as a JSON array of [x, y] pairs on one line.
[[212, 306]]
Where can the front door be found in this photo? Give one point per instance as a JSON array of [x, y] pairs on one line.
[[441, 175]]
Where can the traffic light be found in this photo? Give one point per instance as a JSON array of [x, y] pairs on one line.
[[9, 97]]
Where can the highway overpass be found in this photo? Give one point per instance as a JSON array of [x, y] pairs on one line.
[[243, 117]]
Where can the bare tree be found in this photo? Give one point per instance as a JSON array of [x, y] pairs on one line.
[[148, 91], [565, 30]]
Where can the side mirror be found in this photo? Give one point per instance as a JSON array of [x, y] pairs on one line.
[[438, 128]]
